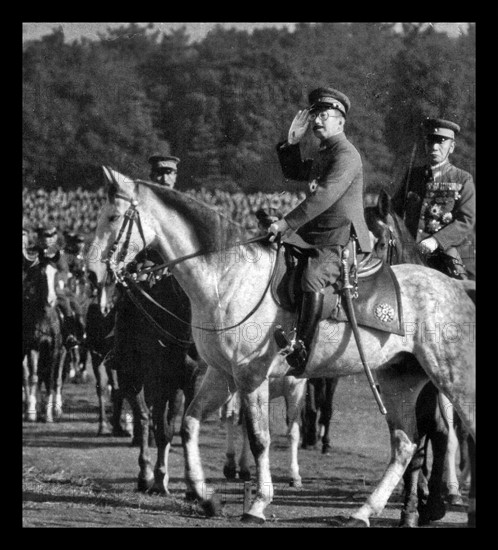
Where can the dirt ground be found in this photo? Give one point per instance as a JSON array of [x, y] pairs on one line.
[[72, 478]]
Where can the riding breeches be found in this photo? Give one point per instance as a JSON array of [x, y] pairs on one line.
[[324, 266]]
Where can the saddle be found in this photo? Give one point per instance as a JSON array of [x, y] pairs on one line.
[[378, 304]]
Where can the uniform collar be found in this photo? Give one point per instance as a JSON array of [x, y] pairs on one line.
[[331, 141]]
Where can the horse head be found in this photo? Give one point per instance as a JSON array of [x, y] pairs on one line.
[[394, 243], [120, 235], [40, 284]]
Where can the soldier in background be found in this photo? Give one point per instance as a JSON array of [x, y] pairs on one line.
[[438, 204]]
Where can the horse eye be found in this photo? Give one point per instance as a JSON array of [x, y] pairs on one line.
[[114, 217]]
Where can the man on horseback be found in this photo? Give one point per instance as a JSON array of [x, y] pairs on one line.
[[163, 169], [437, 202], [49, 251], [329, 217]]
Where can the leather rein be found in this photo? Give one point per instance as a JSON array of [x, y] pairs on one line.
[[127, 280]]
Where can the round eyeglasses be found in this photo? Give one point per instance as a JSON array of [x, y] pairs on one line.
[[322, 115]]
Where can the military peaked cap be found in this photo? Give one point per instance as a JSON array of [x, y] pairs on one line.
[[331, 97], [158, 160], [440, 127]]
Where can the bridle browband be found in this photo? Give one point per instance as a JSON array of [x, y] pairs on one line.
[[132, 215]]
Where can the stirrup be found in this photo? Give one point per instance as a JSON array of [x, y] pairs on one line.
[[286, 346]]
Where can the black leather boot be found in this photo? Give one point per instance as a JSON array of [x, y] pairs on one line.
[[309, 316]]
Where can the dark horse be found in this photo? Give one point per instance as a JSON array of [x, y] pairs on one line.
[[99, 342], [153, 371], [42, 341], [436, 420]]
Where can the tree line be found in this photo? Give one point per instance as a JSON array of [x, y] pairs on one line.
[[222, 104]]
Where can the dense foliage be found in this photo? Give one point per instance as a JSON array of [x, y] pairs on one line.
[[221, 104]]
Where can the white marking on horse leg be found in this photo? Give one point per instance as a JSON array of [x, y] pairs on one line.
[[49, 407], [58, 403], [255, 409], [293, 436], [450, 473], [402, 450], [212, 394], [51, 271]]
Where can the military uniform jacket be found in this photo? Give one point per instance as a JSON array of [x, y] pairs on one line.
[[440, 203], [333, 207]]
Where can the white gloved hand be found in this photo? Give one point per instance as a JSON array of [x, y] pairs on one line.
[[299, 126]]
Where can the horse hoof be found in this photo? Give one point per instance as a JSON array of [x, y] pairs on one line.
[[355, 522], [229, 472], [120, 432], [58, 412], [158, 489], [409, 519], [432, 511], [249, 518], [144, 485], [245, 475], [471, 519], [211, 507], [296, 483], [190, 496], [454, 500], [104, 430], [30, 417], [135, 442], [326, 450]]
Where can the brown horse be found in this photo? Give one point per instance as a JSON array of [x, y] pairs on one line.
[[42, 342]]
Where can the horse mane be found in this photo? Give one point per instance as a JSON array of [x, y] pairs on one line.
[[214, 230]]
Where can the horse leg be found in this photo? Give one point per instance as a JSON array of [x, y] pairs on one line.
[[214, 392], [99, 372], [230, 416], [140, 412], [450, 477], [59, 364], [33, 360], [326, 411], [245, 453], [255, 406], [409, 512], [471, 522], [399, 394], [164, 412], [295, 396], [309, 416]]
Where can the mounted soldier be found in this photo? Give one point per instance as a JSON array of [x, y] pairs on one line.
[[437, 202], [49, 250], [329, 218]]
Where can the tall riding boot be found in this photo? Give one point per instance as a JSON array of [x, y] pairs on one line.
[[309, 316]]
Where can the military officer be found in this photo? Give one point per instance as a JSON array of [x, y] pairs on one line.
[[49, 250], [331, 213], [29, 256], [438, 203], [74, 252], [163, 169]]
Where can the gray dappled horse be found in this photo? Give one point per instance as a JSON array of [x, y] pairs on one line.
[[437, 422], [227, 282], [42, 342]]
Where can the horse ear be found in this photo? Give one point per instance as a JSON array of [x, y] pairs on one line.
[[111, 186], [384, 204]]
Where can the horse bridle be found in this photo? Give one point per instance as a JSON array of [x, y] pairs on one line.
[[127, 281]]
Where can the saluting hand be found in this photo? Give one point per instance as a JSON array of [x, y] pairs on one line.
[[299, 126]]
